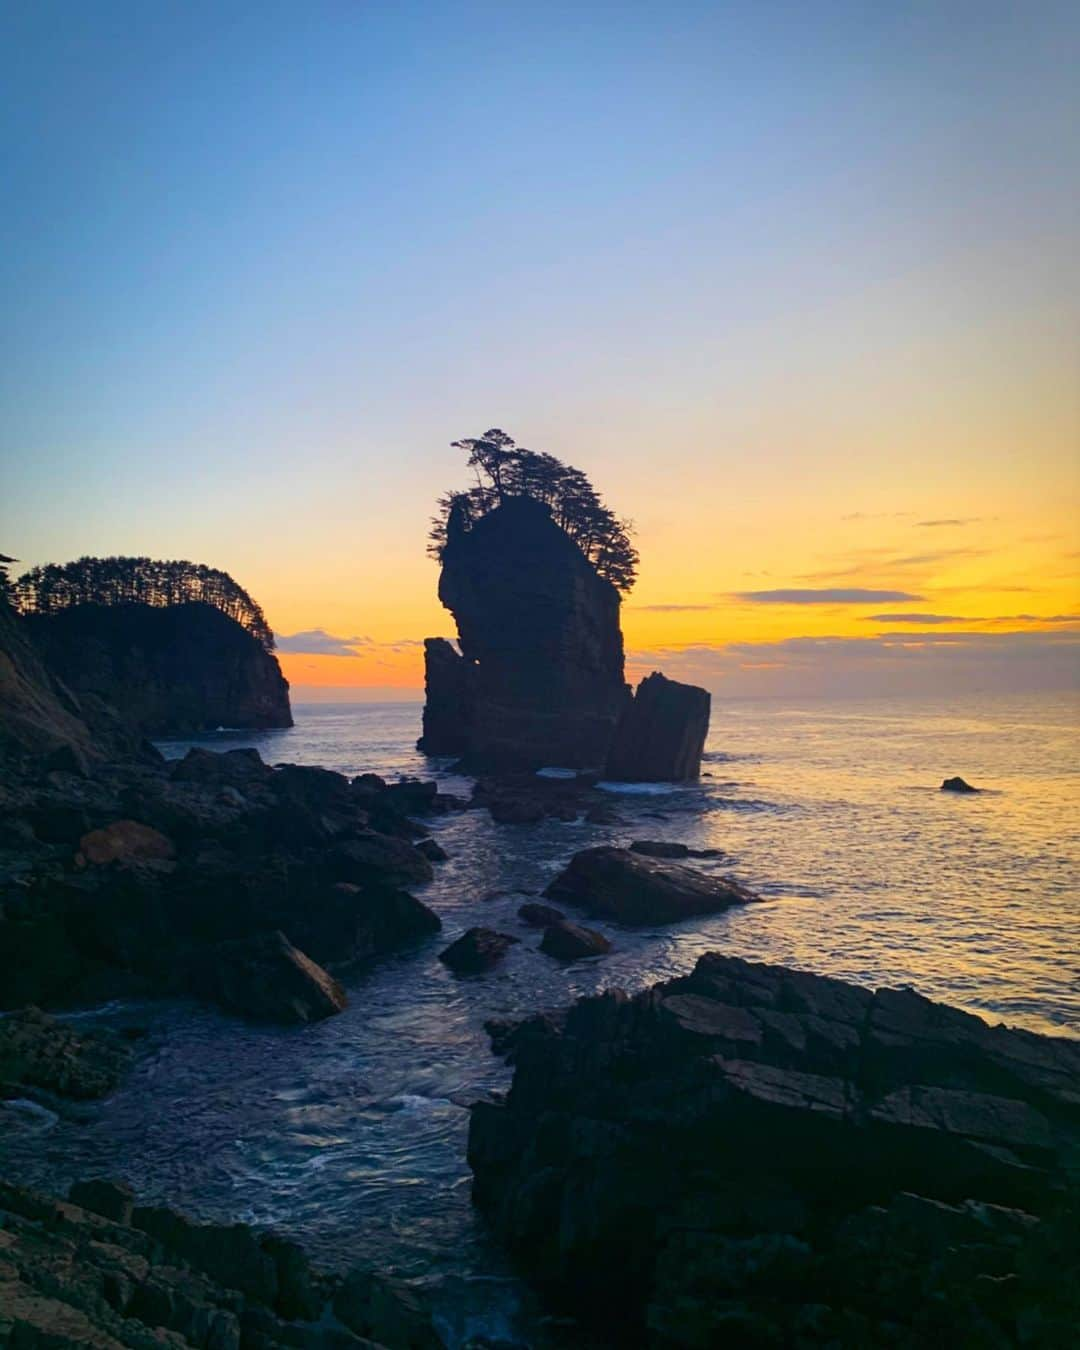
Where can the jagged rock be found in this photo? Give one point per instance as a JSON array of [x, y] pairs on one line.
[[172, 670], [38, 1052], [540, 916], [615, 883], [148, 1278], [540, 676], [661, 734], [380, 857], [568, 941], [477, 950], [957, 785], [126, 841], [267, 979], [761, 1156], [113, 1200], [230, 768]]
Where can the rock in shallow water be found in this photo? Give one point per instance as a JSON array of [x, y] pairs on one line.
[[957, 785], [540, 916], [616, 883], [568, 941], [477, 950], [39, 1053], [758, 1156]]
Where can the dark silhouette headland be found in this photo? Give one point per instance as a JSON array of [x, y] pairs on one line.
[[179, 646], [533, 565]]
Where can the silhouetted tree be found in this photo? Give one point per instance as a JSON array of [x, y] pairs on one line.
[[504, 469], [138, 581], [6, 590]]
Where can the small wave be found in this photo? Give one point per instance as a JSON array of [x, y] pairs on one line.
[[553, 771], [638, 789], [409, 1101], [42, 1117]]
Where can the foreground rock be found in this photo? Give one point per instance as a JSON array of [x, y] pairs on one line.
[[957, 785], [477, 950], [100, 1270], [568, 941], [661, 734], [671, 849], [39, 1055], [267, 979], [755, 1156], [616, 883], [119, 882]]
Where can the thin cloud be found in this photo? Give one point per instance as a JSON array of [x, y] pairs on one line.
[[915, 618], [851, 595], [950, 520], [318, 642]]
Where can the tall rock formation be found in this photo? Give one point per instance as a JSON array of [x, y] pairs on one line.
[[173, 670], [539, 677], [661, 734]]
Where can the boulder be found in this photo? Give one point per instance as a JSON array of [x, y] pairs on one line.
[[615, 883], [477, 950], [381, 858], [126, 841], [540, 916], [431, 850], [267, 979], [957, 785], [568, 941], [754, 1155], [661, 734]]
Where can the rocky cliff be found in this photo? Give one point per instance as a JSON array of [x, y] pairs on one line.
[[539, 676], [39, 714], [756, 1156], [172, 671]]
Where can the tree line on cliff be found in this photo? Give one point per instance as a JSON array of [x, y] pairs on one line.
[[504, 469], [138, 581]]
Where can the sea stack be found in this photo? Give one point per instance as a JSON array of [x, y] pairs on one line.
[[539, 677]]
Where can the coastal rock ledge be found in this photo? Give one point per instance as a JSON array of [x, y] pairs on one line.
[[755, 1156]]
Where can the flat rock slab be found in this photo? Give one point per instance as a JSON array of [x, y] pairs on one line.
[[616, 883]]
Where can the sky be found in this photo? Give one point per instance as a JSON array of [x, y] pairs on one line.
[[797, 285]]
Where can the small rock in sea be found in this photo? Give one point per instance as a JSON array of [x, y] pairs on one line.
[[432, 851], [957, 785], [540, 916], [568, 941], [477, 950], [266, 978], [660, 848]]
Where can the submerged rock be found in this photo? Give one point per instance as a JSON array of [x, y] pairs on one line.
[[540, 916], [660, 848], [661, 734], [957, 785], [477, 950], [615, 883], [267, 979], [758, 1156], [568, 941]]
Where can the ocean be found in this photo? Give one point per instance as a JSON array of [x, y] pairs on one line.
[[351, 1134]]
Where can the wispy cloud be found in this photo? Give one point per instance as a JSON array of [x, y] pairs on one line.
[[318, 642], [850, 595], [949, 520], [914, 617]]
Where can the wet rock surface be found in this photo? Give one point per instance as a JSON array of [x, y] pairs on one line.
[[957, 785], [41, 1056], [266, 978], [756, 1156], [568, 941], [633, 888], [100, 1270]]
